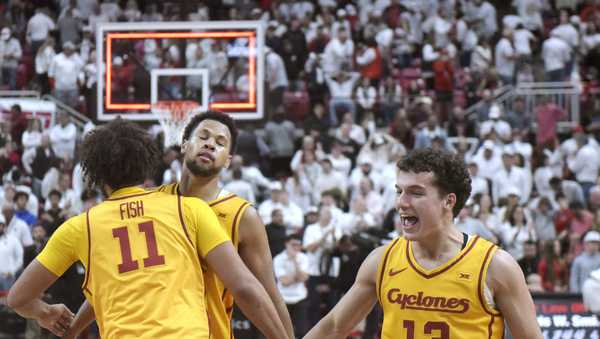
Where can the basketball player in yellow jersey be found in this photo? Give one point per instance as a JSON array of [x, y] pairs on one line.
[[209, 141], [141, 250], [435, 282]]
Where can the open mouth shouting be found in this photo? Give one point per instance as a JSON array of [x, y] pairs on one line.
[[409, 222]]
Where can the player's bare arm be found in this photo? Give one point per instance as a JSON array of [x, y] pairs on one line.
[[354, 306], [512, 297], [247, 291], [24, 298], [254, 251]]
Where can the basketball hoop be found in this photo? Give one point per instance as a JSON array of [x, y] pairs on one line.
[[173, 116]]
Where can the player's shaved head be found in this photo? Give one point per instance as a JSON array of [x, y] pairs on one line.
[[118, 154]]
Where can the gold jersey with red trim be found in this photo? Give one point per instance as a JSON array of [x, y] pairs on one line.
[[447, 302], [142, 252], [229, 209]]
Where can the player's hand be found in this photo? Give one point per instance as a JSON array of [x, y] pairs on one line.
[[57, 319]]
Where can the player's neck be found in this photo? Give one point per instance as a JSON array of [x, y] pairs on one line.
[[205, 188], [440, 244]]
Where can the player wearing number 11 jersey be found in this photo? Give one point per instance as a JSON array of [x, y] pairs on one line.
[[142, 252], [435, 282]]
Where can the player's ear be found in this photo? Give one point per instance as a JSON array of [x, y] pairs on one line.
[[228, 162], [184, 146], [450, 201]]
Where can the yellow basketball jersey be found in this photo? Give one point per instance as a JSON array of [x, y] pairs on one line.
[[443, 303], [229, 209], [143, 272]]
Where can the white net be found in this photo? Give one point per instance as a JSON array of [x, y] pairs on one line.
[[173, 116]]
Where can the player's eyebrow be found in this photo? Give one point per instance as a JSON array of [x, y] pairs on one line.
[[410, 187]]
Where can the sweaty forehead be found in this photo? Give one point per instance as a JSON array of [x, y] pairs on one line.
[[408, 179], [213, 127]]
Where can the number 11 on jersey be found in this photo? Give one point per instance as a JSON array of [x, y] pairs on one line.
[[127, 263]]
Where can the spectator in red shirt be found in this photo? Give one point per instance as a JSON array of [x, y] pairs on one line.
[[443, 84], [18, 123], [547, 116], [552, 268]]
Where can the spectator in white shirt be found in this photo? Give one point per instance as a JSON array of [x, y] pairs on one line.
[[10, 54], [339, 161], [291, 271], [338, 53], [16, 227], [32, 137], [586, 163], [240, 187], [64, 71], [485, 17], [250, 174], [366, 95], [481, 58], [530, 12], [111, 9], [510, 175], [293, 217], [38, 29], [341, 90], [505, 57], [556, 53], [43, 59], [319, 237], [569, 34], [328, 179], [488, 159], [277, 79], [479, 185], [63, 136], [364, 170], [11, 257], [500, 127], [370, 197], [522, 41]]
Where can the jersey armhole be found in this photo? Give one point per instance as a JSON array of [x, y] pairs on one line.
[[235, 238], [482, 282], [381, 269], [89, 254]]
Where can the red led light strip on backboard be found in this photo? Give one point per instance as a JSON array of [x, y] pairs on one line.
[[251, 104]]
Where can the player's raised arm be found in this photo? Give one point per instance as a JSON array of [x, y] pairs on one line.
[[254, 251], [512, 297], [248, 293], [354, 306]]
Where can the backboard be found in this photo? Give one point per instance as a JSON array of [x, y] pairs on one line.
[[219, 64]]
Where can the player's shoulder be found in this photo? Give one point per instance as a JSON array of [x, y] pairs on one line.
[[80, 219], [503, 270], [227, 199]]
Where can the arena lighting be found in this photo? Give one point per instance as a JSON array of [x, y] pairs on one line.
[[251, 104]]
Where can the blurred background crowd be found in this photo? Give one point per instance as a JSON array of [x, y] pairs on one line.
[[351, 86]]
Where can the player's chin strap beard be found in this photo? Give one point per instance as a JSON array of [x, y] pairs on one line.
[[199, 171]]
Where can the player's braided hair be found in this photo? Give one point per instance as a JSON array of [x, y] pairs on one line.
[[450, 173], [221, 117], [118, 154]]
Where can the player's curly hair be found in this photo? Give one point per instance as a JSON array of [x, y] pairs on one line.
[[118, 154], [450, 173], [221, 117]]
